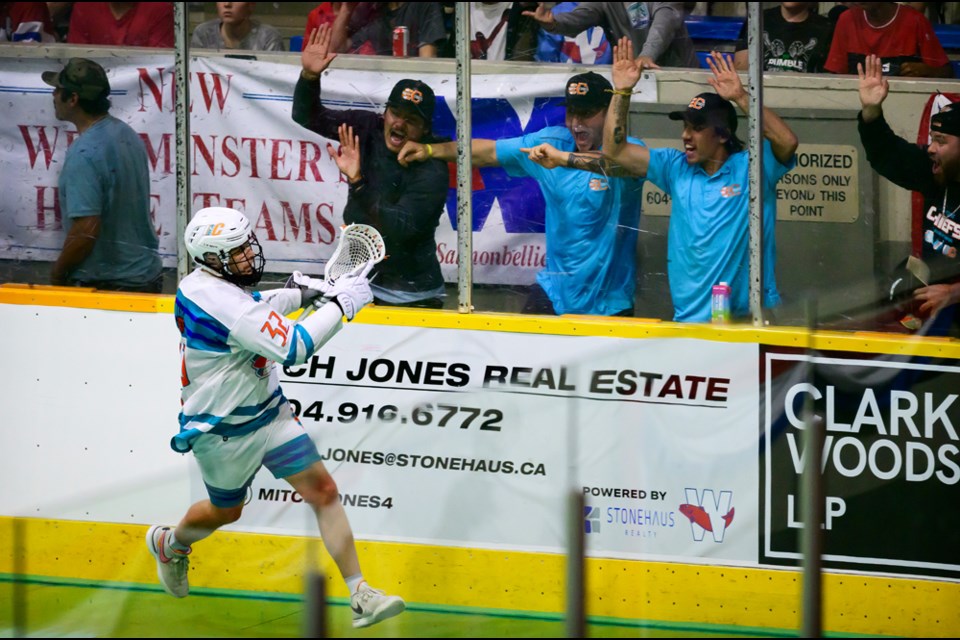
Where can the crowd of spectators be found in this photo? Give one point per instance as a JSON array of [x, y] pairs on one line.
[[398, 147], [803, 37], [797, 36]]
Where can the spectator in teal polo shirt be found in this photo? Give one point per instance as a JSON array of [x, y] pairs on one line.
[[709, 240], [592, 221], [709, 237]]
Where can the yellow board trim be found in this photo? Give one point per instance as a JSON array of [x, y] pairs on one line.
[[614, 327], [459, 577], [84, 298]]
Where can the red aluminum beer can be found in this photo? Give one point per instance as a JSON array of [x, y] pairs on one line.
[[401, 36]]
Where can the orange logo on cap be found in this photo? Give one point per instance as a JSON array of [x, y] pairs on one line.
[[697, 103], [413, 95], [578, 88]]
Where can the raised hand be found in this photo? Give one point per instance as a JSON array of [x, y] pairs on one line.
[[626, 70], [725, 81], [412, 152], [542, 15], [873, 85], [348, 158], [545, 155], [315, 56]]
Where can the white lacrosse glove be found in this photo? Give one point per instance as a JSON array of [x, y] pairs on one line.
[[311, 289], [351, 291]]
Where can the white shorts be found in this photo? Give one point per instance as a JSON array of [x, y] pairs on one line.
[[229, 464]]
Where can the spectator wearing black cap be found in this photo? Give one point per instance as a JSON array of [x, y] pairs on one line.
[[591, 221], [103, 190], [934, 172], [403, 203], [708, 241]]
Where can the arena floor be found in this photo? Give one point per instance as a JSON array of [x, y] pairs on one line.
[[64, 608]]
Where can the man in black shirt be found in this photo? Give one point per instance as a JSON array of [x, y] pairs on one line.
[[403, 203], [933, 171], [795, 38]]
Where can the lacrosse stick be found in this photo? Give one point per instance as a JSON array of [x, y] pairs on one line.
[[359, 244]]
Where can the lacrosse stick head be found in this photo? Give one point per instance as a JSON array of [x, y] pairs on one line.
[[359, 244]]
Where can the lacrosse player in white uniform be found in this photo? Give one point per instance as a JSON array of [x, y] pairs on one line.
[[235, 417]]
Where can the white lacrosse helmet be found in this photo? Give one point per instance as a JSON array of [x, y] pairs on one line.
[[219, 231]]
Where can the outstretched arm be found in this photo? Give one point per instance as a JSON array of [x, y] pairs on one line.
[[484, 152], [570, 23], [665, 25], [632, 158], [549, 157], [726, 81]]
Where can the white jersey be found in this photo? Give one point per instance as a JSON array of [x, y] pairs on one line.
[[230, 342]]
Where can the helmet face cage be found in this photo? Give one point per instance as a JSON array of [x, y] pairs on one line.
[[222, 233], [256, 260]]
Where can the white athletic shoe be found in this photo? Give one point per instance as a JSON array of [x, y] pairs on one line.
[[371, 606], [172, 570]]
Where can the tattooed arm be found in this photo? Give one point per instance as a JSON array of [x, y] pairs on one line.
[[546, 155], [632, 158]]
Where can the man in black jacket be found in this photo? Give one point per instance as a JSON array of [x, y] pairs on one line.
[[403, 203], [933, 171]]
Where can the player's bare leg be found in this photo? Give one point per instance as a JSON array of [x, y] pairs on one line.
[[317, 488], [172, 547]]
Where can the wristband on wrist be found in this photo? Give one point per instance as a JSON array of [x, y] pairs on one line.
[[429, 150], [306, 75]]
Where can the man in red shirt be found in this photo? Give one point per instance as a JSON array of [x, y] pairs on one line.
[[132, 24], [899, 34]]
